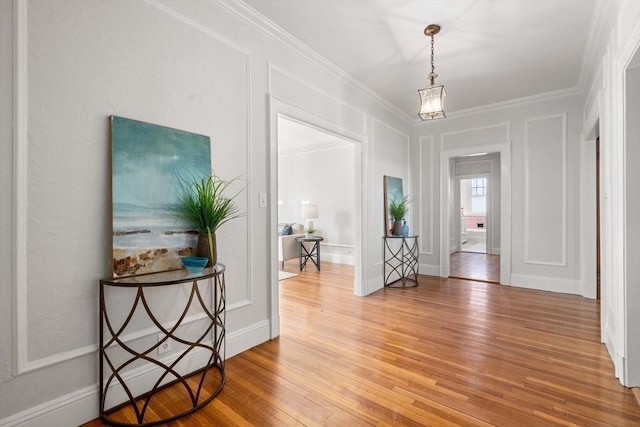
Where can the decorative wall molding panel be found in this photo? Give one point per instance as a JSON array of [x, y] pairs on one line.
[[426, 186], [542, 283], [545, 198], [469, 168], [483, 135], [28, 287]]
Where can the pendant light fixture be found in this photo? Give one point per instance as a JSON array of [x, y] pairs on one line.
[[432, 98]]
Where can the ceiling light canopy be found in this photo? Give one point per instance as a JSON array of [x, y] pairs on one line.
[[432, 98]]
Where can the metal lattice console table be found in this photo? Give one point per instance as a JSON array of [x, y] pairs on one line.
[[201, 354], [400, 267]]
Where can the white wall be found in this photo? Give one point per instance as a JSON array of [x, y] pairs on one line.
[[614, 42], [323, 176], [391, 152], [632, 219], [205, 67], [543, 137]]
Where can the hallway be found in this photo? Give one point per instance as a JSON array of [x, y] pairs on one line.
[[475, 266]]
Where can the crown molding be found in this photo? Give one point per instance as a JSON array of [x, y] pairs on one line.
[[602, 21], [518, 102], [250, 16]]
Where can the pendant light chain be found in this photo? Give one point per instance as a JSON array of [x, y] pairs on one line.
[[432, 66]]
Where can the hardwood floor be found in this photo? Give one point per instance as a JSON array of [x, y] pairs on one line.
[[475, 266], [448, 352]]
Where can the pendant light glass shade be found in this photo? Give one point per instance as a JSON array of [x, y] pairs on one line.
[[432, 102], [432, 98]]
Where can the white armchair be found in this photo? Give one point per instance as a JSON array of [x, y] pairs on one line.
[[287, 245]]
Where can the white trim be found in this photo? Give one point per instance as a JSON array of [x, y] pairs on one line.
[[314, 148], [527, 183], [588, 226], [630, 371], [429, 270], [603, 19], [180, 17], [278, 107], [20, 162], [375, 283], [431, 191], [72, 409], [243, 339], [336, 257], [504, 149], [474, 175], [513, 103], [541, 283]]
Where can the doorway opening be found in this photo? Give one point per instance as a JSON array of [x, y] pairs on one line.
[[279, 111], [475, 250], [315, 170], [473, 215], [492, 162]]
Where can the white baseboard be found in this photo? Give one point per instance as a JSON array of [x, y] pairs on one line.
[[374, 284], [337, 258], [82, 406], [430, 270], [245, 338], [616, 357], [72, 409], [565, 286]]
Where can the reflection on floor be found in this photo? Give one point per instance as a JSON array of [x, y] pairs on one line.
[[475, 240], [475, 266]]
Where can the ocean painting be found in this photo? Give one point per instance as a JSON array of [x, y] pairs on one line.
[[147, 163], [392, 191]]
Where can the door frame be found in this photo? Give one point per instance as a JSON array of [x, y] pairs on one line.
[[488, 214], [446, 156], [278, 107]]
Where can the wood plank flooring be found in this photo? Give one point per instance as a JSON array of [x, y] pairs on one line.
[[475, 266], [448, 352]]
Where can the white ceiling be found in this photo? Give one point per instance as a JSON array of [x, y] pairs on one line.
[[488, 51]]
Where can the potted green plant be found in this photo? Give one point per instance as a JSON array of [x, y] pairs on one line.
[[310, 232], [206, 206], [398, 208]]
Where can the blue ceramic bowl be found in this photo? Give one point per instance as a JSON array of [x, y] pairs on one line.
[[194, 264]]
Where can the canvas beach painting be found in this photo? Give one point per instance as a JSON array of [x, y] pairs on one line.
[[392, 191], [147, 163]]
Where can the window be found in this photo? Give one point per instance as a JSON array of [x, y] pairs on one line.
[[478, 195], [479, 187]]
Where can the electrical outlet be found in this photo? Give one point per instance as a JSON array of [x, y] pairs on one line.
[[165, 347], [262, 202]]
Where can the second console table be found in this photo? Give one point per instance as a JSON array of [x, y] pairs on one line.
[[400, 267]]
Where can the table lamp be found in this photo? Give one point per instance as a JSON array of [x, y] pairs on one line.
[[309, 213]]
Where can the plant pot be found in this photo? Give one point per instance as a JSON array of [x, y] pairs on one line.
[[203, 248], [397, 228]]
